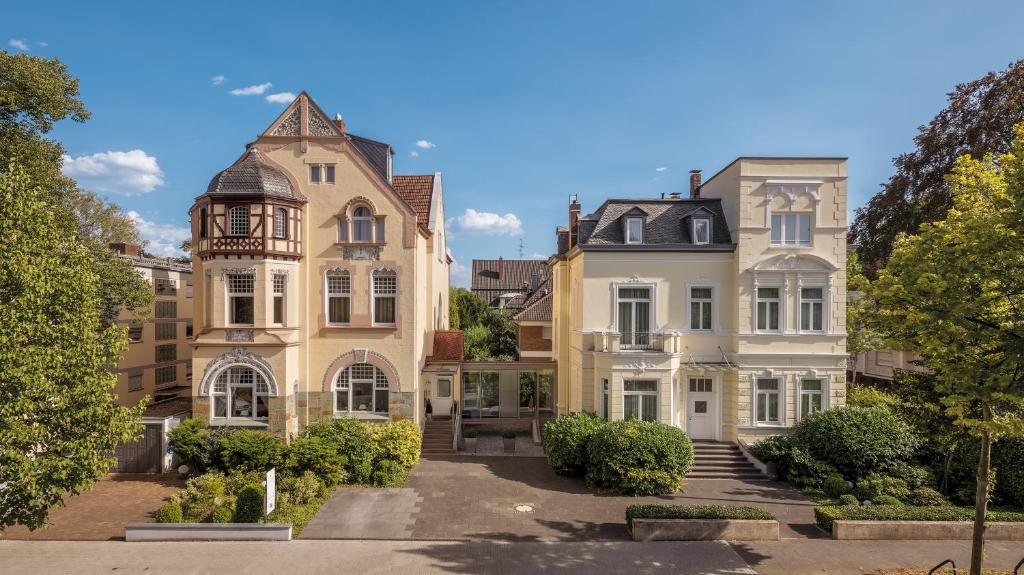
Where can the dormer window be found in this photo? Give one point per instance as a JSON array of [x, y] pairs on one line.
[[634, 230], [701, 231]]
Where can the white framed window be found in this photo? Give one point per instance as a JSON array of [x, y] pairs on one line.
[[812, 396], [362, 225], [791, 229], [605, 408], [701, 303], [701, 385], [768, 308], [634, 230], [280, 283], [385, 297], [240, 393], [640, 399], [812, 304], [281, 223], [240, 291], [361, 387], [339, 297], [238, 221], [634, 317], [767, 403], [701, 231]]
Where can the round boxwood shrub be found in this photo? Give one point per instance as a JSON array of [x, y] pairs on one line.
[[221, 514], [887, 500], [638, 457], [249, 506], [926, 497], [835, 486], [353, 440], [565, 441], [316, 456], [875, 486], [856, 440], [248, 450], [1007, 455], [848, 499], [169, 513]]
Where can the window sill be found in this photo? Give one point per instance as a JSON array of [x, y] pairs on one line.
[[237, 422], [359, 244], [791, 246]]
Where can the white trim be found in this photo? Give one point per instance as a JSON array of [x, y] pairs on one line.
[[716, 326], [327, 297], [693, 230], [634, 282], [781, 305], [641, 394], [716, 390], [781, 393], [823, 302], [373, 296], [792, 188], [630, 219], [826, 387]]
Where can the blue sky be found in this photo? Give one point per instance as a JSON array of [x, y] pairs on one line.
[[522, 103]]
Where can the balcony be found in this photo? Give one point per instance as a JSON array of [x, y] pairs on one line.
[[637, 341], [641, 341]]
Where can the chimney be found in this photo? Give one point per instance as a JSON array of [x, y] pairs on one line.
[[574, 217], [675, 195], [694, 183], [131, 250], [339, 123], [501, 268]]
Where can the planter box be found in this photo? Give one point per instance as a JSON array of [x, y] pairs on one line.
[[924, 530], [705, 530], [510, 444], [470, 443], [207, 532]]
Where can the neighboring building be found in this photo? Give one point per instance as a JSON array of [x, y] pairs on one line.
[[722, 313], [320, 280], [879, 367], [534, 321], [506, 284]]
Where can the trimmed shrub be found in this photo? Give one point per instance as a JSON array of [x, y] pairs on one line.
[[303, 489], [829, 513], [848, 499], [856, 440], [316, 456], [863, 396], [202, 494], [772, 449], [875, 486], [887, 500], [694, 512], [249, 507], [169, 513], [221, 514], [792, 462], [926, 497], [835, 486], [397, 442], [915, 475], [565, 441], [1007, 455], [248, 450], [353, 440], [194, 445], [638, 457]]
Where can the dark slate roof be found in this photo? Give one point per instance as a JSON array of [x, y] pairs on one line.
[[516, 277], [417, 190], [537, 306], [667, 224], [375, 152], [251, 176]]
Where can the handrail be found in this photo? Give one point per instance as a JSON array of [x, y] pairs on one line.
[[1016, 570], [456, 426], [951, 562]]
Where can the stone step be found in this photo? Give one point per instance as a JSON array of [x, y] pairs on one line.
[[722, 459], [723, 475], [716, 467], [438, 451]]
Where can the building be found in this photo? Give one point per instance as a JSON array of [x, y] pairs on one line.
[[158, 362], [879, 367], [507, 284], [534, 323], [320, 278], [722, 313]]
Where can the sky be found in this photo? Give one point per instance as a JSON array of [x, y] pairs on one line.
[[518, 104]]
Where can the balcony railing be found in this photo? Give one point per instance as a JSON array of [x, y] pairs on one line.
[[640, 340]]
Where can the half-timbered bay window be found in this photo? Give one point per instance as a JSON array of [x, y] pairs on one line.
[[280, 283], [239, 392], [700, 308], [811, 309], [339, 297], [361, 387], [640, 399], [768, 302], [766, 401], [634, 317], [238, 221], [385, 296], [240, 298]]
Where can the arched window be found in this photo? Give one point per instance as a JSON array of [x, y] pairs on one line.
[[362, 225], [239, 392], [361, 387], [281, 223], [238, 221]]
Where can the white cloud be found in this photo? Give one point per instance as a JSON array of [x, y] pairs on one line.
[[280, 98], [164, 239], [538, 256], [217, 80], [19, 44], [256, 90], [661, 169], [125, 173], [425, 144], [490, 223], [460, 275], [414, 154], [44, 44]]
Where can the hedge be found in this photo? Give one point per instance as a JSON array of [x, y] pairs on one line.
[[249, 450], [858, 441], [639, 457], [827, 514], [695, 512], [566, 439]]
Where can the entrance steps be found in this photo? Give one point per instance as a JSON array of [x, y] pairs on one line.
[[721, 460], [438, 436]]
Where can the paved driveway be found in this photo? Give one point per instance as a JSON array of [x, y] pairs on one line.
[[521, 499]]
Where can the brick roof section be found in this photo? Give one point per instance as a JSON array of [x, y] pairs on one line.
[[447, 346], [418, 191]]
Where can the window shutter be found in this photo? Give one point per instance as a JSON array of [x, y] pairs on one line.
[[380, 230], [343, 230]]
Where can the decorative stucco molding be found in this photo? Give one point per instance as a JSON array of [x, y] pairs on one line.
[[225, 272], [239, 335], [361, 355], [361, 253], [795, 262], [236, 357], [290, 125]]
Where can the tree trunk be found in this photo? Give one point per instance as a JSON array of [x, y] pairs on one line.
[[981, 495], [946, 467]]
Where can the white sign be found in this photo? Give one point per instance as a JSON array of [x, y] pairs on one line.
[[271, 496]]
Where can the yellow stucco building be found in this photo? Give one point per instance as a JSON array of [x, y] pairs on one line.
[[722, 313], [320, 279]]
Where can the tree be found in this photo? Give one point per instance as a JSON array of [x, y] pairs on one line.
[[955, 294], [489, 334], [59, 425], [978, 120], [102, 221], [860, 336]]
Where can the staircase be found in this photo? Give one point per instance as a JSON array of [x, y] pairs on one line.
[[719, 460], [438, 436]]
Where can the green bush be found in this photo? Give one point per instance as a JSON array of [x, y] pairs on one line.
[[835, 486], [202, 494], [915, 475], [926, 497], [1007, 458], [354, 441], [565, 441], [887, 500], [169, 513], [848, 499], [792, 462], [222, 514], [396, 451], [303, 489], [694, 512], [249, 506], [874, 486], [469, 433], [856, 440], [316, 456], [829, 513], [863, 396], [638, 457], [194, 445], [248, 450]]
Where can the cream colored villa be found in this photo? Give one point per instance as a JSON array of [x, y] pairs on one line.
[[722, 313], [320, 279]]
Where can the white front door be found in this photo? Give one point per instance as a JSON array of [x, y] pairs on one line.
[[700, 408], [441, 396]]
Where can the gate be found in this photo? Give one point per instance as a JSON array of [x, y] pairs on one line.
[[142, 456]]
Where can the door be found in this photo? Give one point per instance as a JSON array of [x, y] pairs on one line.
[[441, 396], [141, 456], [701, 408]]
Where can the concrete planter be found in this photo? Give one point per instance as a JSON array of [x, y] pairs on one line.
[[510, 444], [470, 444], [207, 532], [705, 530], [924, 530]]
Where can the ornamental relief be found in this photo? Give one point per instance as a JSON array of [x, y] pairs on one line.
[[238, 356], [289, 126], [361, 253], [319, 127], [239, 335], [225, 272]]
